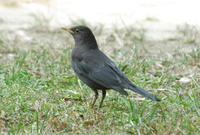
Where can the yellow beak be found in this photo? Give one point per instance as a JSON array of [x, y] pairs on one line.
[[69, 30]]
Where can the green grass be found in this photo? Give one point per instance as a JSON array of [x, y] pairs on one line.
[[40, 94]]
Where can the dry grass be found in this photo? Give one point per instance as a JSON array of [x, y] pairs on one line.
[[40, 93]]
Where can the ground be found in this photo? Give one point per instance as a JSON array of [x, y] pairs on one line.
[[40, 94]]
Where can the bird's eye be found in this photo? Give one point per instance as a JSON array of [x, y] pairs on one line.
[[77, 30]]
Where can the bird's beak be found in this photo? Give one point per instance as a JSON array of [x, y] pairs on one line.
[[69, 30]]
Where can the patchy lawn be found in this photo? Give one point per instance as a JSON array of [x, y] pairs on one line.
[[40, 94]]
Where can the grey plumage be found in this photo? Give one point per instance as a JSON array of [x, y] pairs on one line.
[[95, 69]]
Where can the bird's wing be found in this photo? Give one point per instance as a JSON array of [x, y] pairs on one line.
[[100, 71]]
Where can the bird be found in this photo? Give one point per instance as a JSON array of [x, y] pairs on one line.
[[96, 69]]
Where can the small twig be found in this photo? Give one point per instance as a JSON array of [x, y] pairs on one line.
[[165, 90]]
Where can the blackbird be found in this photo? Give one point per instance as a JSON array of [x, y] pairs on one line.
[[95, 69]]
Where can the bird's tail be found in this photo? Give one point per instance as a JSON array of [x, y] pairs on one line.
[[143, 92]]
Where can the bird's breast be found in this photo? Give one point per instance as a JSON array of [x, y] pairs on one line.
[[77, 55]]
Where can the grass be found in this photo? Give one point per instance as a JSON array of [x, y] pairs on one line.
[[40, 94], [190, 32]]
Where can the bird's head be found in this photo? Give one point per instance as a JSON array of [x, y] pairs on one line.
[[82, 35]]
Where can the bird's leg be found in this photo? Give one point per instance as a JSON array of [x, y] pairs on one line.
[[95, 98], [103, 96]]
